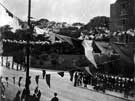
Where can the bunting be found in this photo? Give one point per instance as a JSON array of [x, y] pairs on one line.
[[44, 73], [48, 77], [19, 81], [24, 42], [37, 79], [9, 13], [61, 74], [71, 73]]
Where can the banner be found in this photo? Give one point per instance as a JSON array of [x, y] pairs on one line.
[[126, 51]]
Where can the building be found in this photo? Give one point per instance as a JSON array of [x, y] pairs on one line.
[[122, 15]]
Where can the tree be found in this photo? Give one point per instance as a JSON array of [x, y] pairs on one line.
[[70, 31], [99, 21], [78, 24], [6, 28]]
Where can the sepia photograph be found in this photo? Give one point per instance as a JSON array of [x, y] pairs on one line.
[[67, 50]]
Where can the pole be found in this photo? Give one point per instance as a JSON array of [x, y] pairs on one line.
[[28, 52], [134, 62]]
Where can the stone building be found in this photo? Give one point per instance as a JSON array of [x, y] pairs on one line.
[[122, 15]]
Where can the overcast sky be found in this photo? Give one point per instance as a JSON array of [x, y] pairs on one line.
[[57, 10]]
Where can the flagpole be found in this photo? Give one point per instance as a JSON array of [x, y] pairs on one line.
[[134, 62], [28, 52]]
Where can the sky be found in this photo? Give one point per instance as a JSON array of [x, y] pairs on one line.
[[69, 11]]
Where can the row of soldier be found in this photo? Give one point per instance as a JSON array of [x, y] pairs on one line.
[[102, 82]]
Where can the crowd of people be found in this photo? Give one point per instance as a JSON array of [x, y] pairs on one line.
[[99, 33], [104, 34], [103, 82], [35, 97]]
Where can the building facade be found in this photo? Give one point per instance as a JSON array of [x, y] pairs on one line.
[[122, 15]]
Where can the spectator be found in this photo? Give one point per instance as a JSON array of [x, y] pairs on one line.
[[55, 98]]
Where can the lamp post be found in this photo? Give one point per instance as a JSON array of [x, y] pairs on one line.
[[28, 52]]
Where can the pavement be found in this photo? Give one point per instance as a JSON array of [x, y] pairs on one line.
[[65, 89]]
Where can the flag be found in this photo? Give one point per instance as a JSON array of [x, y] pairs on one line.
[[88, 70], [124, 50], [61, 74], [104, 47], [64, 38], [9, 13], [48, 77], [71, 73], [87, 44], [37, 79], [19, 81], [20, 22]]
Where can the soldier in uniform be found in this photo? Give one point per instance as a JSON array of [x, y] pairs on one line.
[[75, 79], [85, 81], [123, 84], [126, 88]]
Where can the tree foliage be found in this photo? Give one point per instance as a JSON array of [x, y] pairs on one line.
[[99, 21]]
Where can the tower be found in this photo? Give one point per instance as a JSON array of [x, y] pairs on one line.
[[122, 15]]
